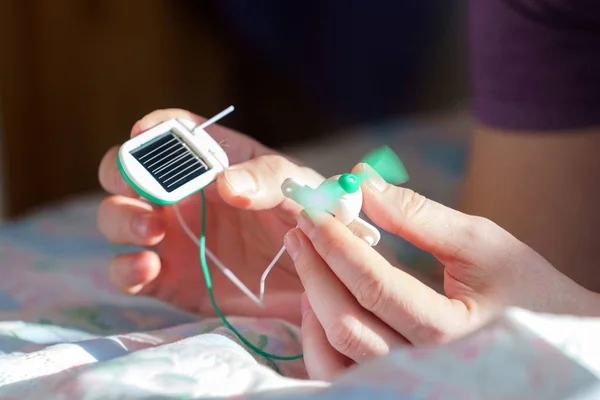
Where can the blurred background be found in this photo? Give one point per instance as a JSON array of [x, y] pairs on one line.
[[75, 75]]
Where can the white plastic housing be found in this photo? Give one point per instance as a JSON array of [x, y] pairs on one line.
[[199, 142], [346, 209]]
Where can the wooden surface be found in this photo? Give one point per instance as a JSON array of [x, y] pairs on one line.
[[75, 76]]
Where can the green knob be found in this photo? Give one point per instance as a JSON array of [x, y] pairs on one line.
[[349, 183]]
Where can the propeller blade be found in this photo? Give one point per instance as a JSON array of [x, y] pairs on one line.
[[387, 164], [327, 194], [322, 198], [383, 160]]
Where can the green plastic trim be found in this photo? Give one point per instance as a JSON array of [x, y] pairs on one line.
[[206, 272], [139, 190]]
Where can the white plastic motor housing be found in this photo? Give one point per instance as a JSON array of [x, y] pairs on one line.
[[348, 206], [198, 140]]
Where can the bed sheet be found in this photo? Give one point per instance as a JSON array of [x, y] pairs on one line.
[[65, 333]]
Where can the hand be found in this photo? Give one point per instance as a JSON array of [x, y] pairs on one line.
[[247, 217], [357, 306]]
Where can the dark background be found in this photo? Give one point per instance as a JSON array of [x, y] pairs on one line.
[[76, 74]]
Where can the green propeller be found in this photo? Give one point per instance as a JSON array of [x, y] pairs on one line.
[[383, 160]]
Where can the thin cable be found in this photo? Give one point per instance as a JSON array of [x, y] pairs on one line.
[[263, 278], [202, 248], [226, 271]]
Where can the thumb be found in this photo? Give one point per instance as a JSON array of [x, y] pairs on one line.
[[256, 184], [442, 231]]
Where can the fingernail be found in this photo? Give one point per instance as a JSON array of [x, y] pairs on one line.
[[241, 181], [306, 223], [147, 226], [374, 181], [304, 305], [292, 245]]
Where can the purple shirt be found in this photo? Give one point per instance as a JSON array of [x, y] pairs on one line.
[[535, 64]]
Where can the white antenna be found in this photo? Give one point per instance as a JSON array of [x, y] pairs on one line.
[[217, 117]]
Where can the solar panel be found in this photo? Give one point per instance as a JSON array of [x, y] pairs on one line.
[[170, 161]]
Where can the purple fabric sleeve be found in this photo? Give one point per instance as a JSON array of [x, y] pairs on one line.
[[535, 64]]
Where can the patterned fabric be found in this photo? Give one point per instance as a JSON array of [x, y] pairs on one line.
[[65, 333]]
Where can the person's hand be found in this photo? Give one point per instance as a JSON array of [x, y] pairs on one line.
[[247, 217], [357, 306]]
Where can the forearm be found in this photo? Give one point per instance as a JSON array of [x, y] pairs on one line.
[[545, 190]]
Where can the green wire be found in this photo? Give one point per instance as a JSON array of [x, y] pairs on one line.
[[202, 246]]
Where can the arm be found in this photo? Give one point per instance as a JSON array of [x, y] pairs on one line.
[[545, 190], [535, 157]]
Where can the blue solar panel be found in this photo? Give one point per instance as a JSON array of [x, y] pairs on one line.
[[170, 161]]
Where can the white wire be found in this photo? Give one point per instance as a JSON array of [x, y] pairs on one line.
[[263, 278], [226, 271], [217, 117]]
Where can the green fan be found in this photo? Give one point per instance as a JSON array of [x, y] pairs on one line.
[[341, 196]]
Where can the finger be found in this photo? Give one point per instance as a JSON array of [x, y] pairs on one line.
[[124, 220], [256, 184], [322, 361], [349, 328], [446, 233], [159, 116], [408, 306], [134, 271], [110, 177], [238, 147]]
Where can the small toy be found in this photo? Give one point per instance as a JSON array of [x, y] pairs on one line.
[[173, 160], [341, 195], [176, 159]]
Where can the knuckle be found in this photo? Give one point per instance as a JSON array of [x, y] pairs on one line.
[[370, 292], [430, 335], [114, 268], [330, 244], [282, 167], [424, 330], [345, 336], [486, 234], [102, 215], [412, 203], [478, 230], [276, 164], [307, 271], [113, 219]]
